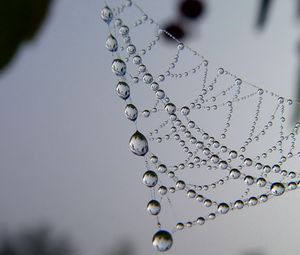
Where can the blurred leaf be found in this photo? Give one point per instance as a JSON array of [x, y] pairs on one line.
[[20, 21], [263, 13]]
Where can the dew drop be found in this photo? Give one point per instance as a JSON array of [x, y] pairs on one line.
[[131, 112], [138, 144], [223, 208], [118, 67], [106, 14], [150, 179], [170, 108], [162, 240], [124, 30], [154, 207], [185, 111], [277, 189], [123, 90], [111, 43]]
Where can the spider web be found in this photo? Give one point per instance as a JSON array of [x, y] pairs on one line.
[[211, 141]]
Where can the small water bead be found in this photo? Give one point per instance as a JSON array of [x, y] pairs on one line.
[[137, 60], [180, 46], [123, 90], [261, 182], [154, 207], [223, 208], [211, 216], [249, 180], [147, 78], [111, 43], [292, 175], [260, 91], [118, 67], [189, 224], [179, 226], [146, 113], [290, 101], [239, 204], [161, 77], [106, 14], [220, 71], [162, 168], [118, 22], [162, 190], [277, 189], [150, 179], [170, 108], [154, 159], [223, 164], [160, 94], [126, 39], [124, 30], [263, 198], [252, 201], [131, 112], [207, 202], [238, 81], [138, 144], [234, 173], [162, 240], [233, 154], [280, 100], [185, 110], [154, 86], [267, 169], [191, 193], [215, 159], [248, 162]]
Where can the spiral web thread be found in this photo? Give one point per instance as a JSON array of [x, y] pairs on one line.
[[229, 148]]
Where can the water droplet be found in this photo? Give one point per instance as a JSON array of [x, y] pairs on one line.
[[146, 113], [137, 60], [111, 43], [185, 111], [238, 81], [106, 14], [150, 179], [180, 46], [180, 185], [233, 154], [162, 168], [261, 182], [119, 67], [220, 70], [223, 208], [162, 190], [147, 78], [138, 144], [160, 94], [131, 112], [239, 204], [154, 207], [162, 240], [179, 226], [170, 108], [252, 201], [249, 180], [123, 90], [277, 189], [118, 22], [131, 49], [200, 221], [124, 30], [191, 193], [234, 173], [280, 100]]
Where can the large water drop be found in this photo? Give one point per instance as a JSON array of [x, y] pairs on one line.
[[118, 67], [111, 43], [106, 14], [162, 240], [131, 112], [277, 188], [138, 144], [123, 90]]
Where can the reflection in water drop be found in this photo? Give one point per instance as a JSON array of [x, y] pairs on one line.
[[123, 90], [150, 179], [162, 240], [106, 14], [111, 43], [153, 207], [118, 67], [277, 188], [138, 144], [131, 112]]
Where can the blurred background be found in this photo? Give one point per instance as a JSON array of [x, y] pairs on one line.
[[68, 183]]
